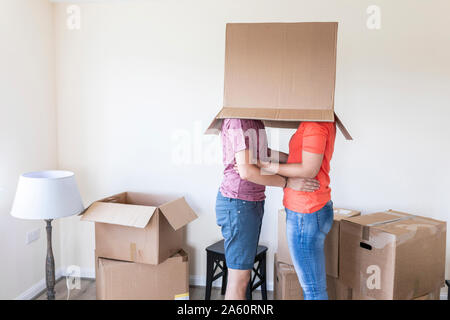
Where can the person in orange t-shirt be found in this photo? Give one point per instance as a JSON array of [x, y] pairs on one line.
[[309, 215]]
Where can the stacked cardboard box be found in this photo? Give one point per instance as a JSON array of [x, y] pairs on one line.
[[283, 262], [392, 255], [138, 240]]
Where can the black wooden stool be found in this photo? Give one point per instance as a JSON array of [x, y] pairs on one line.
[[215, 259]]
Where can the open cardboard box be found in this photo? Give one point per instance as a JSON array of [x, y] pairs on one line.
[[281, 73], [138, 227]]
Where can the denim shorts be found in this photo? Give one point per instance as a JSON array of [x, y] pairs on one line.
[[240, 221]]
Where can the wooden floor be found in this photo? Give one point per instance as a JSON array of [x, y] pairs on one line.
[[87, 292]]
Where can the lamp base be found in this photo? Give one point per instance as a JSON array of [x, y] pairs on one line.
[[50, 264]]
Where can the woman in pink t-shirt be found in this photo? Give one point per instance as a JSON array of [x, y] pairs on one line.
[[240, 200]]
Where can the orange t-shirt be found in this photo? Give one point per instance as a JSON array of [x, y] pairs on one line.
[[314, 137]]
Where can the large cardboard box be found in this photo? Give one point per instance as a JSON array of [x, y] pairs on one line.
[[331, 241], [138, 227], [122, 280], [392, 255], [281, 73], [287, 287]]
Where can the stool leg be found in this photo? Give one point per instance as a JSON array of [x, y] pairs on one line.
[[224, 278], [263, 274], [209, 275], [248, 294]]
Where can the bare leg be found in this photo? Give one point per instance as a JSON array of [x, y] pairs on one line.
[[237, 284]]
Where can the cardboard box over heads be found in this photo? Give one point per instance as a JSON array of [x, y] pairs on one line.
[[281, 73], [138, 227], [392, 255], [331, 246], [122, 280]]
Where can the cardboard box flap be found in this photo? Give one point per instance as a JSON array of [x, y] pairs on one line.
[[416, 226], [374, 219], [215, 126], [289, 122], [178, 213], [340, 213], [180, 256], [117, 198], [124, 215], [342, 128], [294, 123], [398, 223], [276, 114], [105, 263]]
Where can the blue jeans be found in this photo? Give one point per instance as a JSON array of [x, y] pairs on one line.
[[306, 234], [240, 221]]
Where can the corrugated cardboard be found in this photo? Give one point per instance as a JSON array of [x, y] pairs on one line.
[[137, 227], [434, 295], [337, 290], [331, 247], [121, 280], [287, 287], [406, 253], [282, 73]]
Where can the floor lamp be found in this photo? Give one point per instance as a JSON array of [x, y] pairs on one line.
[[47, 195]]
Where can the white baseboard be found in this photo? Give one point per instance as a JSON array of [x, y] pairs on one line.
[[444, 293], [40, 286], [37, 288]]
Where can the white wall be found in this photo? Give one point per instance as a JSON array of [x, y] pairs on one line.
[[27, 134], [138, 71]]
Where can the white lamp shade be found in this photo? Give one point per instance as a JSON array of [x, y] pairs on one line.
[[47, 195]]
